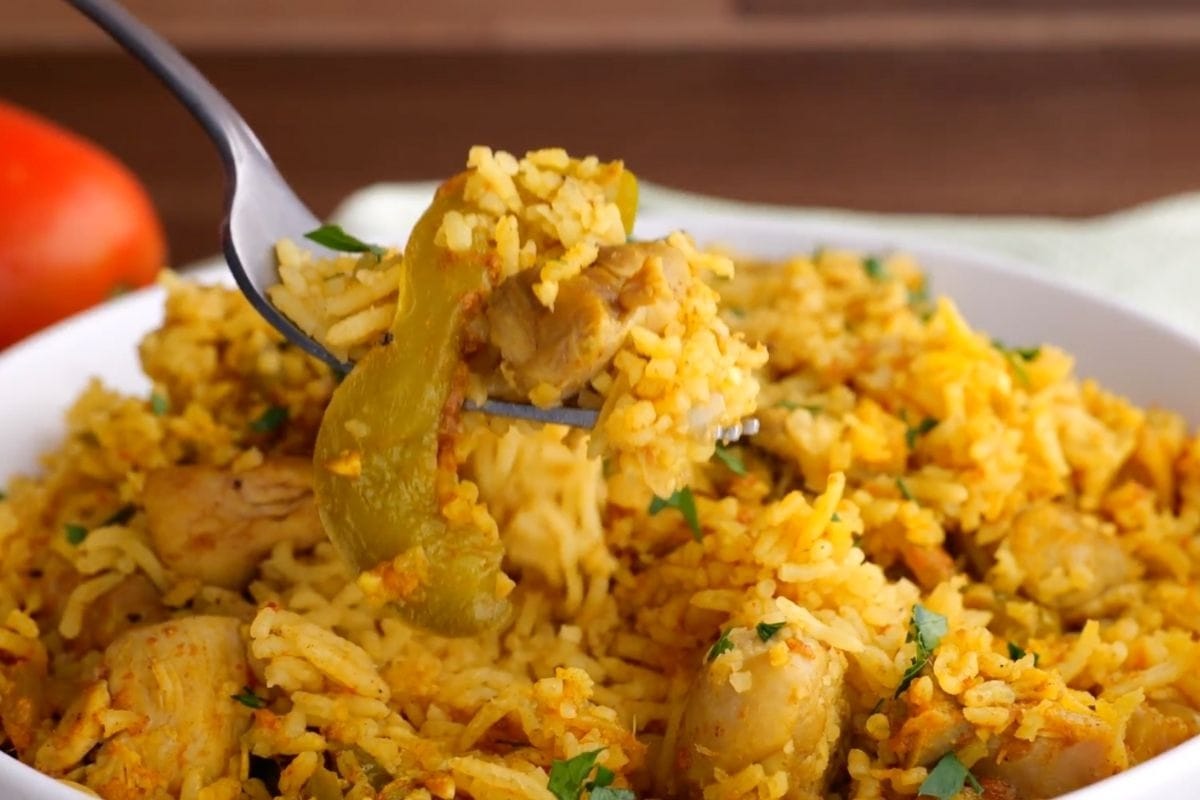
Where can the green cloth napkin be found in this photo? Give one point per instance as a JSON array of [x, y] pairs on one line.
[[1147, 256]]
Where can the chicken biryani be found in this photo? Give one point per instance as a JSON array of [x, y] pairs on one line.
[[945, 567]]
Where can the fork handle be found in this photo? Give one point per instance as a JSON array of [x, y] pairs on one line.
[[224, 125]]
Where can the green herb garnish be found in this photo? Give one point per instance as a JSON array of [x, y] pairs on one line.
[[569, 778], [766, 630], [270, 420], [835, 518], [721, 645], [1016, 653], [920, 429], [600, 787], [947, 779], [919, 296], [249, 699], [926, 628], [121, 515], [3, 496], [75, 533], [730, 459], [333, 237], [737, 311], [874, 268], [159, 404], [903, 487], [1017, 355], [685, 502]]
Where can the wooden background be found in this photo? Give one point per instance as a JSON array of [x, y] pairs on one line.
[[1069, 107]]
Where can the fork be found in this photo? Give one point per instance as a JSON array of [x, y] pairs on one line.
[[261, 209]]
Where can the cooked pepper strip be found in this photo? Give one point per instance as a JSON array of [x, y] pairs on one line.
[[384, 463], [390, 418]]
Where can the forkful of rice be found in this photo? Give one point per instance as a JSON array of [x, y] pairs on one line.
[[518, 285], [519, 293], [564, 289]]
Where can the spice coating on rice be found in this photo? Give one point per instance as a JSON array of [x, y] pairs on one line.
[[945, 563]]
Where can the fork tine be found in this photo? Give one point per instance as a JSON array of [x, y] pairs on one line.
[[575, 417], [586, 418]]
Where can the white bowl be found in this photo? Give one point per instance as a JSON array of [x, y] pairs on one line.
[[1127, 351]]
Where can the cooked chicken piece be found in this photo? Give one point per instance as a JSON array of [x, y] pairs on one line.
[[789, 717], [24, 703], [929, 564], [1069, 561], [215, 525], [1071, 751], [566, 346], [1156, 727], [77, 732], [923, 735], [180, 677], [135, 601]]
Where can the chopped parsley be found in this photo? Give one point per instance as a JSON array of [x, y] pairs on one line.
[[835, 518], [333, 237], [75, 533], [1028, 353], [121, 515], [249, 699], [917, 431], [569, 778], [904, 491], [947, 779], [721, 645], [270, 420], [601, 788], [1016, 653], [874, 268], [737, 311], [730, 459], [3, 496], [926, 628], [766, 630], [920, 295], [1018, 357], [159, 404], [685, 503]]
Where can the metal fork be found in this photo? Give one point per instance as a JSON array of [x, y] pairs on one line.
[[261, 208]]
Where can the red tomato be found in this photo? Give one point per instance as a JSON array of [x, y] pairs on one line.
[[75, 226]]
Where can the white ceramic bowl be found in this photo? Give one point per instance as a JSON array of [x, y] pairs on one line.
[[1128, 352]]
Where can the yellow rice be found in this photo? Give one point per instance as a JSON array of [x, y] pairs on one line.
[[830, 533]]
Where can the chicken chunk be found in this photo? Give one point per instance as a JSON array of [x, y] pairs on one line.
[[567, 345], [134, 601], [1069, 561], [1072, 750], [216, 525], [788, 715], [1158, 726], [925, 734], [179, 677]]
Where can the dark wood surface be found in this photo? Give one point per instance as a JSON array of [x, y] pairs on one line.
[[1069, 133]]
